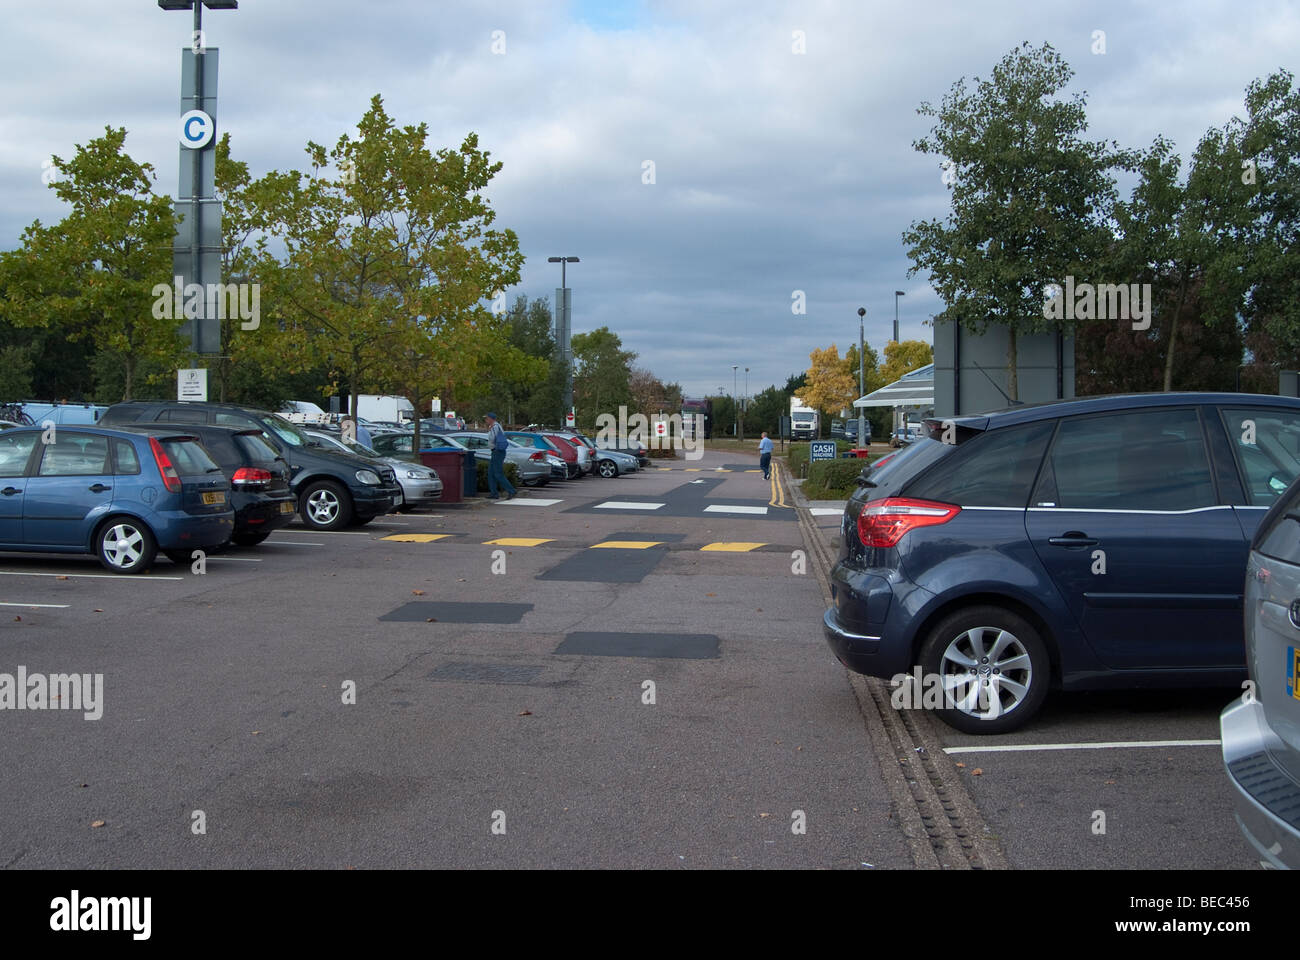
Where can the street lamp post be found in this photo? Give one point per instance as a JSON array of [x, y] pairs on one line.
[[735, 410], [897, 410], [744, 403], [862, 382], [201, 340], [563, 331]]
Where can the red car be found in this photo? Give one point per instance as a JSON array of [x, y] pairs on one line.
[[569, 452]]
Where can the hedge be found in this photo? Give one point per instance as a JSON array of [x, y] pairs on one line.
[[833, 479], [512, 474], [798, 456]]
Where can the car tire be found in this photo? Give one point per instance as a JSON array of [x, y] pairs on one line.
[[249, 539], [362, 521], [608, 469], [125, 545], [1009, 660], [325, 505]]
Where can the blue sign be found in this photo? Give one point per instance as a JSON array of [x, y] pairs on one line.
[[821, 450]]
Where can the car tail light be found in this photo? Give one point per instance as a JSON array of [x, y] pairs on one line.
[[250, 476], [884, 523], [171, 480]]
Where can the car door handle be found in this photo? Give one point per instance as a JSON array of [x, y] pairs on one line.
[[1073, 538], [98, 488], [10, 491]]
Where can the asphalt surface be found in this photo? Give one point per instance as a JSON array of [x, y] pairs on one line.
[[224, 694]]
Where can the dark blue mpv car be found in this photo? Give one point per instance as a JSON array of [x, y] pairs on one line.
[[1082, 544], [121, 495]]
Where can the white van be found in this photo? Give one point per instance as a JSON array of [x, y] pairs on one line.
[[389, 409]]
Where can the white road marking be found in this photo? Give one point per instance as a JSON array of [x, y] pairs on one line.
[[238, 559], [527, 502], [826, 511], [728, 508], [332, 533], [120, 578], [1110, 745], [50, 606], [627, 505]]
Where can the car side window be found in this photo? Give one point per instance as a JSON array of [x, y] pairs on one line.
[[1151, 460], [14, 453], [234, 420], [125, 461], [184, 415], [994, 470], [74, 455], [1266, 443]]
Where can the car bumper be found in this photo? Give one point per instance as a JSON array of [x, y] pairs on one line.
[[261, 513], [867, 629], [375, 501], [1266, 800], [182, 531], [419, 492]]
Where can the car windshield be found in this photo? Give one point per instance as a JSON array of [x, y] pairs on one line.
[[347, 446], [285, 430]]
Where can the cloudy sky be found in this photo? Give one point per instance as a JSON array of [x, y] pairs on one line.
[[775, 171]]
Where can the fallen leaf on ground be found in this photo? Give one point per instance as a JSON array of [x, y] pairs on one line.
[[97, 823], [977, 772], [418, 593], [17, 619], [431, 620], [710, 594], [961, 766], [525, 713], [98, 610], [60, 578]]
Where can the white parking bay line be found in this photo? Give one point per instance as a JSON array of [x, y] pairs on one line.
[[1110, 745], [626, 505], [47, 606], [119, 578], [728, 508], [332, 533], [826, 511], [526, 502]]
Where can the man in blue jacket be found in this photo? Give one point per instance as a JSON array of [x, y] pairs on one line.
[[498, 441], [765, 455]]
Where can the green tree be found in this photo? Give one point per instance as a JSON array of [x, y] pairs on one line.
[[1030, 196], [388, 262], [602, 371], [766, 410], [92, 276]]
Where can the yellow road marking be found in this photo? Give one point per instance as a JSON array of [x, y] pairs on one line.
[[735, 546], [753, 471], [627, 544], [519, 541], [692, 469], [416, 537]]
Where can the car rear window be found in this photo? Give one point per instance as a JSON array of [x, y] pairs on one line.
[[911, 460], [995, 469], [253, 447], [188, 457]]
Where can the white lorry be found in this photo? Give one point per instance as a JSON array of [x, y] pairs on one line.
[[803, 421], [388, 409]]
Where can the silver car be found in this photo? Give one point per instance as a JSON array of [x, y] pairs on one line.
[[1261, 729], [421, 487], [534, 469], [609, 463]]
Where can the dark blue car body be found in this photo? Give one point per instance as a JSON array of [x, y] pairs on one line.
[[59, 490], [1116, 528]]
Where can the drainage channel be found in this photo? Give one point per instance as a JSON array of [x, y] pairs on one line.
[[943, 827]]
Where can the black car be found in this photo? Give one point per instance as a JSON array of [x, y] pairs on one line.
[[258, 475], [333, 489]]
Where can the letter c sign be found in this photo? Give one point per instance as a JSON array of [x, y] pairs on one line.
[[196, 129]]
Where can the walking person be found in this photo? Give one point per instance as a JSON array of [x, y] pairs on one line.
[[498, 441], [765, 455]]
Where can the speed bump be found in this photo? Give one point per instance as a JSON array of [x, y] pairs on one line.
[[518, 541], [627, 544], [416, 537], [732, 546]]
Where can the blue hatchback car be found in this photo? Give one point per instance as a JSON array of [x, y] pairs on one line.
[[122, 495], [1081, 544]]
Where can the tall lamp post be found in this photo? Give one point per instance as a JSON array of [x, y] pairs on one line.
[[563, 330], [735, 409], [744, 403], [862, 382], [897, 294], [204, 337]]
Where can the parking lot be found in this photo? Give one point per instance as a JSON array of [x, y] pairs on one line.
[[622, 672]]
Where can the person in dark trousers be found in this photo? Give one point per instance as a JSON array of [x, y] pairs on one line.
[[498, 441], [765, 455]]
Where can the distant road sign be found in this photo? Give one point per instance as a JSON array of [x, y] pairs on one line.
[[822, 450], [568, 420]]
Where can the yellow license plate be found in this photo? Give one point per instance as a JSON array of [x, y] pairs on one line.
[[211, 498], [286, 507]]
